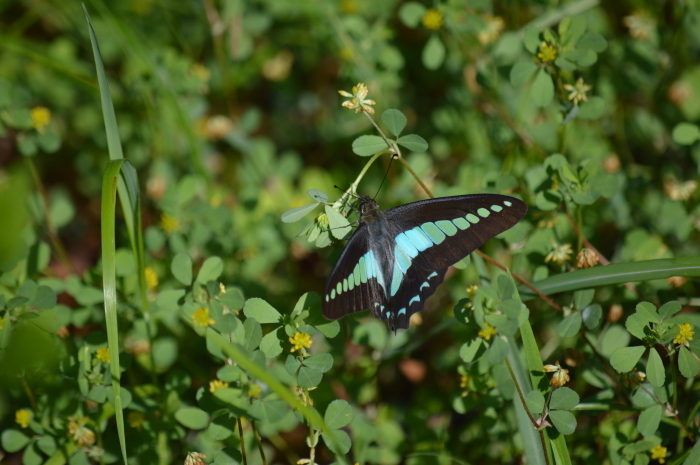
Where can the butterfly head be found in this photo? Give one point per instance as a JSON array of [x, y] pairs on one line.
[[369, 210]]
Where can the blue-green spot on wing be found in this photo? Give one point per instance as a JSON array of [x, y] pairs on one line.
[[396, 259]]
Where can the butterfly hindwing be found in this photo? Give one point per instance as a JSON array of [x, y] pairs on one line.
[[354, 284]]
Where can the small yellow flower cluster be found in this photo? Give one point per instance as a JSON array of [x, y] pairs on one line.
[[22, 417], [586, 258], [169, 223], [676, 190], [195, 458], [490, 33], [358, 99], [577, 92], [136, 419], [487, 332], [217, 384], [560, 377], [658, 453], [322, 221], [560, 254], [547, 52], [300, 341], [80, 433], [151, 278], [432, 19], [103, 354], [685, 334], [41, 116], [254, 391], [201, 318]]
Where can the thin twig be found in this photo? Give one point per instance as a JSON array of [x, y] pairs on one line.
[[259, 441], [240, 434]]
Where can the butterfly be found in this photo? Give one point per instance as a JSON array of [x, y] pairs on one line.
[[397, 258]]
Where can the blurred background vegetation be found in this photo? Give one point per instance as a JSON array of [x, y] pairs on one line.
[[229, 111]]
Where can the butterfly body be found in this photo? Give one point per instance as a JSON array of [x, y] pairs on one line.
[[397, 258]]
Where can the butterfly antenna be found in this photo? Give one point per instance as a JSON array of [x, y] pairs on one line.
[[385, 175], [346, 192]]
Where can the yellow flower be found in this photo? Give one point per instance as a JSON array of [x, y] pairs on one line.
[[487, 332], [559, 255], [577, 92], [561, 375], [136, 419], [201, 318], [471, 291], [300, 341], [322, 221], [547, 52], [685, 334], [658, 453], [103, 354], [194, 458], [490, 33], [254, 391], [22, 417], [358, 100], [676, 190], [40, 118], [432, 19], [586, 258], [81, 434], [170, 224], [151, 278], [217, 384], [2, 322]]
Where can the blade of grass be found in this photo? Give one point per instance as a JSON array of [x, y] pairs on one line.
[[617, 273], [109, 204]]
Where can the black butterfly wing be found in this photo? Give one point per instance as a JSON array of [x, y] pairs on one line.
[[354, 283], [431, 235]]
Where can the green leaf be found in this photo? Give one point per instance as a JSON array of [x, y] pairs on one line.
[[521, 72], [636, 325], [413, 142], [337, 223], [233, 298], [270, 411], [687, 364], [411, 13], [309, 377], [366, 146], [592, 41], [469, 350], [46, 320], [498, 350], [270, 345], [649, 419], [648, 310], [594, 108], [531, 39], [13, 440], [570, 325], [686, 133], [341, 438], [583, 298], [669, 309], [292, 364], [259, 310], [592, 315], [321, 362], [563, 420], [192, 417], [295, 214], [394, 120], [433, 53], [564, 398], [181, 267], [656, 373], [211, 269], [548, 199], [535, 402], [233, 397], [252, 334], [542, 89], [317, 195], [229, 373], [338, 414], [624, 359]]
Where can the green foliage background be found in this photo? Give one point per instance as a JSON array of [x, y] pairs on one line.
[[229, 116]]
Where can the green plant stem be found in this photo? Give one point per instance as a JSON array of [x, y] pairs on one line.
[[30, 395], [520, 394], [239, 422], [51, 231], [259, 441]]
